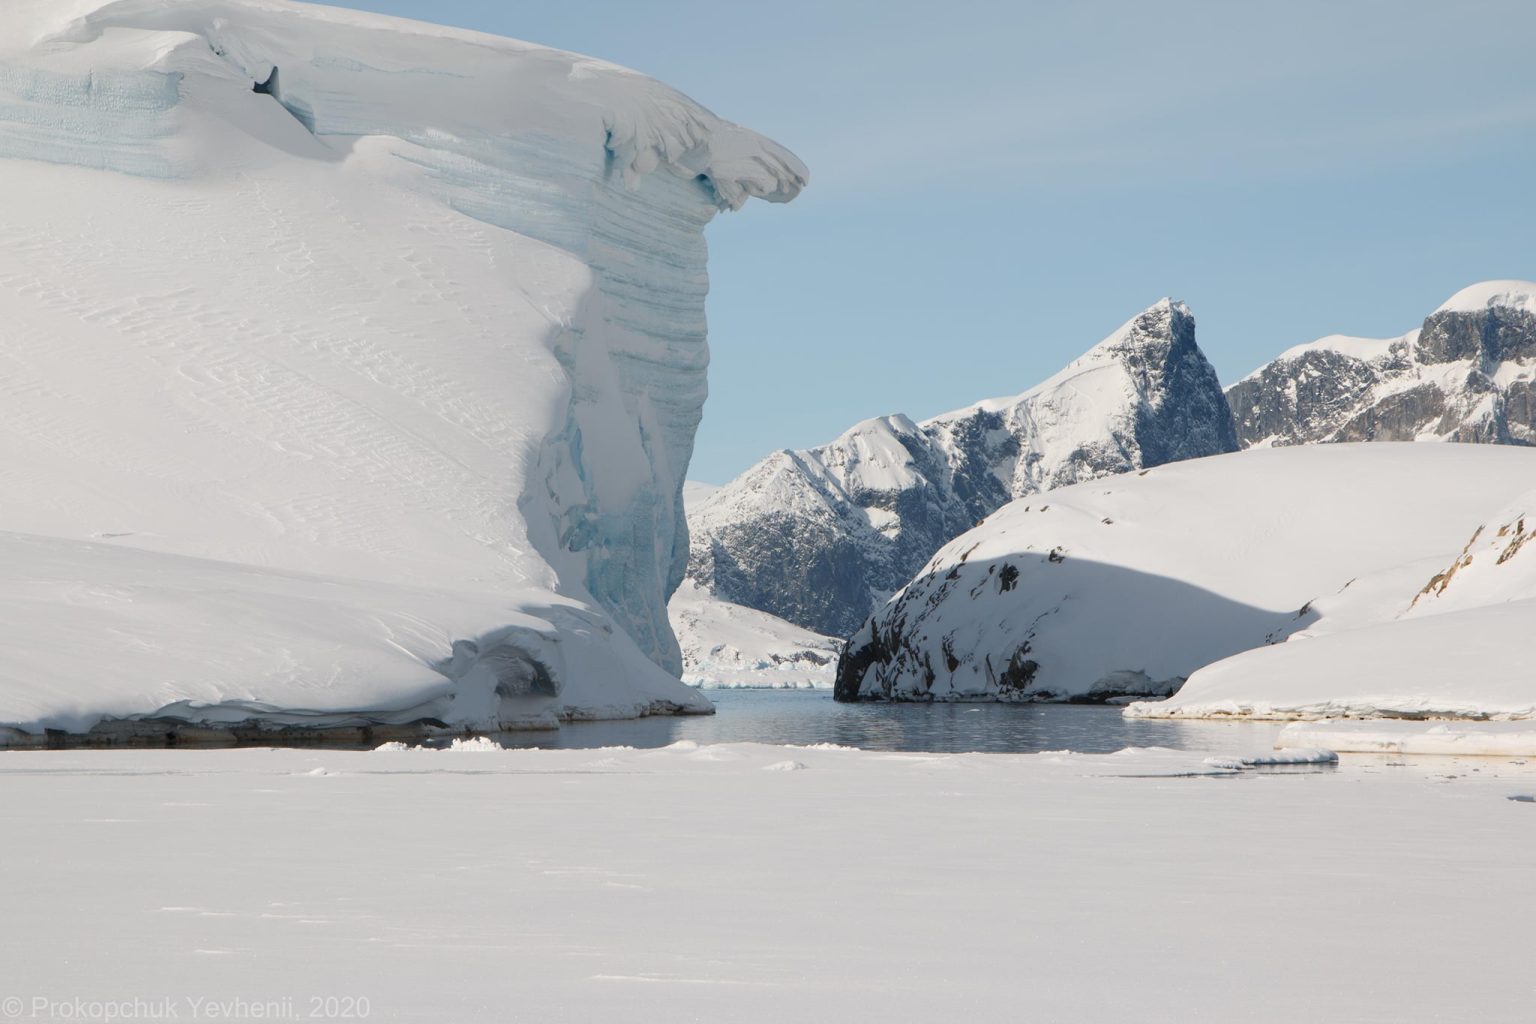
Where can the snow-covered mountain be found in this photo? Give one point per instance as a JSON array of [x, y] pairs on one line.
[[1445, 638], [820, 536], [385, 339], [1465, 375], [1125, 586]]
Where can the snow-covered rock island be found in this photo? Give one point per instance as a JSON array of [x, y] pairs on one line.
[[351, 367], [1128, 585]]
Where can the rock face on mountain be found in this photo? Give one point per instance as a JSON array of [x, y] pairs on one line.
[[1465, 375], [820, 536]]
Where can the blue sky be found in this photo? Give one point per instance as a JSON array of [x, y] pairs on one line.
[[996, 186]]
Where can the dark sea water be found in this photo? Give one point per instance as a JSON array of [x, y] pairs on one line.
[[805, 717]]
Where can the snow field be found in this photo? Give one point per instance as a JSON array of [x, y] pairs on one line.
[[690, 883]]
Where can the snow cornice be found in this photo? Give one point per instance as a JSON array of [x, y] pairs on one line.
[[469, 80]]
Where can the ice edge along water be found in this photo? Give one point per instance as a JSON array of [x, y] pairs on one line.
[[338, 387]]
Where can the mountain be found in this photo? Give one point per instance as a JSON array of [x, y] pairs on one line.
[[820, 536], [351, 366], [1465, 375], [1126, 586], [1444, 639]]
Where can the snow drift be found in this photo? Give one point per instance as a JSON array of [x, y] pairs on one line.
[[361, 357], [1443, 639], [1125, 586]]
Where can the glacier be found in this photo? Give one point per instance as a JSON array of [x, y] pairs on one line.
[[307, 308]]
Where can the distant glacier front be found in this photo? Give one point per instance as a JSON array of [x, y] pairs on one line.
[[352, 368]]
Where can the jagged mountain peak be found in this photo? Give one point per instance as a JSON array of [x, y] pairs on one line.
[[1166, 320], [1463, 376]]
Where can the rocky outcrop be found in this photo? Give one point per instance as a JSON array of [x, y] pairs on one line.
[[820, 536], [1465, 375]]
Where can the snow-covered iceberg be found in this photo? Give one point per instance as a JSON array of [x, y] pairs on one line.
[[351, 366]]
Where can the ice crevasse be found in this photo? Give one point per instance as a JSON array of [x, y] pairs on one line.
[[350, 366]]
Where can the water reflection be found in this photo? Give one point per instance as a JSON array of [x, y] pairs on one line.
[[803, 717]]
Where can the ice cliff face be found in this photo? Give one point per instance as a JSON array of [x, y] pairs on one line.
[[1465, 375], [820, 536], [335, 294]]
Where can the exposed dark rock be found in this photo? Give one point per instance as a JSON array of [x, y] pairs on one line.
[[1441, 383]]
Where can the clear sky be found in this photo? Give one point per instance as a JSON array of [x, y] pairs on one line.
[[997, 185]]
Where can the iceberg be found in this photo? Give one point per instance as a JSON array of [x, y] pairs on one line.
[[352, 366]]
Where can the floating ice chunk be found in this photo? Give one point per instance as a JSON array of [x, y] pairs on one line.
[[1501, 739], [475, 745], [1279, 757], [1302, 755]]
